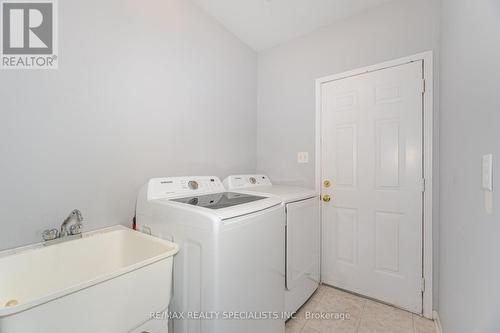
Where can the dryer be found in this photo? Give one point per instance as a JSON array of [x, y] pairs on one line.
[[303, 232], [228, 273]]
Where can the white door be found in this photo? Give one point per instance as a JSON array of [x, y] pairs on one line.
[[371, 127]]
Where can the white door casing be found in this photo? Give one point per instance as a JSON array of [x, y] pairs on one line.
[[372, 152]]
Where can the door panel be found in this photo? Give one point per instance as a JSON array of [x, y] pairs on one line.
[[387, 241], [346, 234], [387, 153], [345, 152], [371, 127]]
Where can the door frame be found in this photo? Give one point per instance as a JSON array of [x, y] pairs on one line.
[[428, 123]]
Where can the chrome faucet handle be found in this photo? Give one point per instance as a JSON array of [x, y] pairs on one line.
[[50, 234], [75, 229]]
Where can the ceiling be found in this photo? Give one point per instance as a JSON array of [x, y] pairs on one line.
[[263, 24]]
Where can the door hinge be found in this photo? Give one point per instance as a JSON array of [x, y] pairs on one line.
[[422, 184], [423, 86], [423, 285]]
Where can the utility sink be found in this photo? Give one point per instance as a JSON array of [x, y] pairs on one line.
[[108, 281]]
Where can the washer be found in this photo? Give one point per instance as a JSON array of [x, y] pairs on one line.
[[228, 273], [302, 253]]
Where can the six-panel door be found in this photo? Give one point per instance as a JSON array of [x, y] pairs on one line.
[[371, 127]]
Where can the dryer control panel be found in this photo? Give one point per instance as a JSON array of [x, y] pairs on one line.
[[176, 187], [246, 181]]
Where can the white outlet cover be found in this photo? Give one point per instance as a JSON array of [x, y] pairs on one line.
[[303, 157]]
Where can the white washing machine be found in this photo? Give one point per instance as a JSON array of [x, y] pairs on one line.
[[229, 272], [303, 229]]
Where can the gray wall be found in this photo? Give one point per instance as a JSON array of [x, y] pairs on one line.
[[287, 73], [469, 294], [145, 88]]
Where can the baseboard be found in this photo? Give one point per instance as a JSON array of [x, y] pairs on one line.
[[437, 322]]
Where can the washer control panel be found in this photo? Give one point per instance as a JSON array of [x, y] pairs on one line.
[[245, 181], [176, 187]]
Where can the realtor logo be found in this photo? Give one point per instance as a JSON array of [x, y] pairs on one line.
[[29, 38]]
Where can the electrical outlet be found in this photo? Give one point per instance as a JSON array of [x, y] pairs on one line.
[[303, 157]]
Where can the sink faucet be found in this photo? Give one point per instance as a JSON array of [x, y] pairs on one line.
[[73, 222]]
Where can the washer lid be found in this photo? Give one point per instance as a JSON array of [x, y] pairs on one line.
[[223, 205], [219, 200]]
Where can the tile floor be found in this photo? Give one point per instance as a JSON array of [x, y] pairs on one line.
[[366, 316]]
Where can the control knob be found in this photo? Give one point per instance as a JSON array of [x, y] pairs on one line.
[[193, 185]]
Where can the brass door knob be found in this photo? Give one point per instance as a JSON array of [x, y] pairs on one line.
[[327, 198], [327, 183]]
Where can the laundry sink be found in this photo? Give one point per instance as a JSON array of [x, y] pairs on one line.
[[108, 281]]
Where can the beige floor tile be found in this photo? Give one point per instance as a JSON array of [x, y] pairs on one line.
[[294, 326], [321, 290], [423, 325], [309, 330], [337, 312], [337, 297], [331, 326], [380, 318], [348, 313]]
